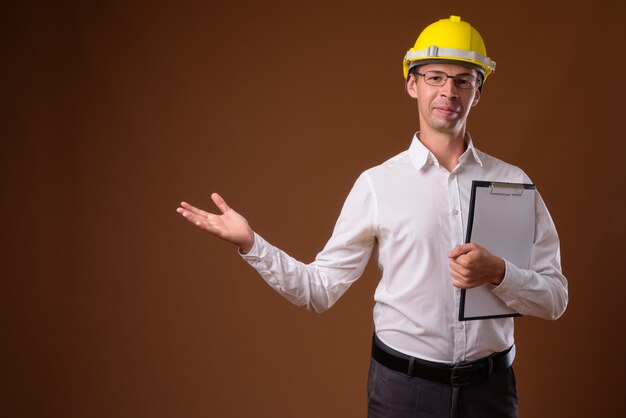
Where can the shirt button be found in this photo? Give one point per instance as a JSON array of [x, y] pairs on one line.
[[455, 212]]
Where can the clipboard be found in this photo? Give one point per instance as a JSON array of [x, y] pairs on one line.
[[501, 219]]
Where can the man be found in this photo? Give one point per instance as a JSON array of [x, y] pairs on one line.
[[413, 208]]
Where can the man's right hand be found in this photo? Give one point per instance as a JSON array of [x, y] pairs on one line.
[[229, 226]]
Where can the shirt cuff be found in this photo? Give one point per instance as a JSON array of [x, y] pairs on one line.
[[509, 289], [254, 251]]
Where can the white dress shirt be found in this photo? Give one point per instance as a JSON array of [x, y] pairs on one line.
[[413, 212]]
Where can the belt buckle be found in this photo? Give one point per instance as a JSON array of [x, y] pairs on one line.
[[459, 375]]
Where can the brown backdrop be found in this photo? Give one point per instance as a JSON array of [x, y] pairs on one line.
[[113, 306]]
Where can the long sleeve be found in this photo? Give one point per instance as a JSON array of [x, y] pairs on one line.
[[541, 290], [411, 210], [320, 284]]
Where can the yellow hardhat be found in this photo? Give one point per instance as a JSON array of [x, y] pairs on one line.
[[449, 40]]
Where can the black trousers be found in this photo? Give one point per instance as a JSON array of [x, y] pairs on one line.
[[391, 394]]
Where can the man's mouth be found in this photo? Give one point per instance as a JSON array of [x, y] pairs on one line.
[[446, 110]]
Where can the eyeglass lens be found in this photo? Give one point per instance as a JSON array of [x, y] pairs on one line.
[[439, 78]]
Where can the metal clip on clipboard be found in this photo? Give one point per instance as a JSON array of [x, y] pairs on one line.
[[507, 189]]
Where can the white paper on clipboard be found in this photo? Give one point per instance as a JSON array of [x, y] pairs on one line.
[[501, 219]]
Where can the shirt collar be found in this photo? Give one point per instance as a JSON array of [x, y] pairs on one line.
[[471, 150], [420, 155]]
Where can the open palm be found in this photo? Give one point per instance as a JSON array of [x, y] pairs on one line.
[[229, 225]]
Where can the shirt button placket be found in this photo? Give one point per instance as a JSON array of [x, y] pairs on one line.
[[456, 224]]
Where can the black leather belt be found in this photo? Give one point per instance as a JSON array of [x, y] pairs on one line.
[[458, 375]]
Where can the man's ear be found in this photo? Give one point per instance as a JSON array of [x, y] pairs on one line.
[[476, 97], [411, 86]]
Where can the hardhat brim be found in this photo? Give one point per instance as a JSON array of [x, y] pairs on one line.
[[470, 65]]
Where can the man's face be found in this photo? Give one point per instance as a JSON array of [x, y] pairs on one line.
[[443, 108]]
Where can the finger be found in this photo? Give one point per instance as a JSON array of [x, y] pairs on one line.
[[197, 217], [462, 261], [193, 209], [207, 223], [458, 280], [459, 284], [190, 216], [460, 250], [186, 205], [462, 281], [459, 271], [220, 203]]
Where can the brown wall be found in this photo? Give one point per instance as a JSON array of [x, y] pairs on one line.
[[113, 306]]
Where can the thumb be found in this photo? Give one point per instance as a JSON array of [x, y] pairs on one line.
[[220, 203]]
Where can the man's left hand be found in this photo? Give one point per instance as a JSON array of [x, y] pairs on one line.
[[472, 265]]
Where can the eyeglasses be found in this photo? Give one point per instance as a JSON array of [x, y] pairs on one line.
[[439, 78]]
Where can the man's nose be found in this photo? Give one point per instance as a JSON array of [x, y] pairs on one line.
[[449, 89]]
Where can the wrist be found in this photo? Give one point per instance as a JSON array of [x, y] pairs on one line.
[[246, 246], [499, 273]]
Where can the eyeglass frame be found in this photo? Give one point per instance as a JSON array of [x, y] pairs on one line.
[[478, 81]]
